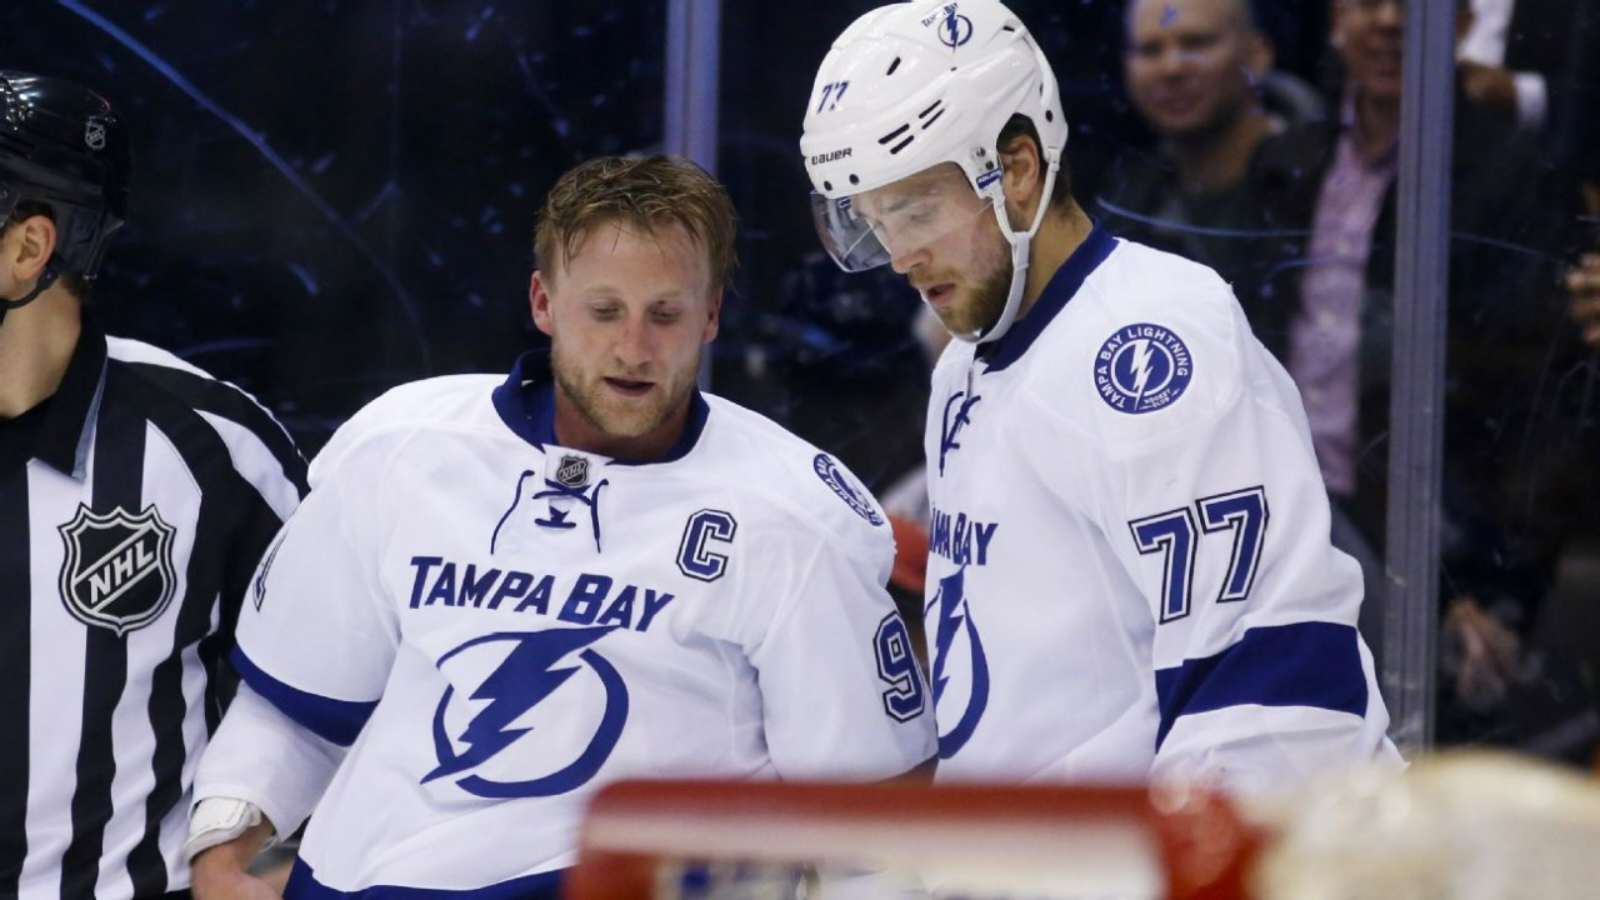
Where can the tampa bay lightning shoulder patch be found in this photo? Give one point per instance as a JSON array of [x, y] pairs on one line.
[[1142, 368], [841, 483]]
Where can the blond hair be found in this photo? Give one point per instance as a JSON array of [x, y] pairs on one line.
[[645, 193]]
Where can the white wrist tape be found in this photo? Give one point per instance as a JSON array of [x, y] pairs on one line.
[[217, 820]]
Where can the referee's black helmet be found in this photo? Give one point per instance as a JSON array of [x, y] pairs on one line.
[[63, 147]]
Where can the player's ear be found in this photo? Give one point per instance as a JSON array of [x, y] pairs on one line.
[[27, 247], [539, 302], [1022, 180], [713, 316]]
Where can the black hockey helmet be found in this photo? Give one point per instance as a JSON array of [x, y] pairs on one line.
[[61, 145]]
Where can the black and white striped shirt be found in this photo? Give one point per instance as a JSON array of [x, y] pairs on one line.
[[134, 504]]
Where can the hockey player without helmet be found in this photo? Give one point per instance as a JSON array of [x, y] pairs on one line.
[[910, 86], [61, 145]]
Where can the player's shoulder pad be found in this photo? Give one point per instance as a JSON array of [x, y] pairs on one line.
[[401, 412], [800, 483], [1149, 350]]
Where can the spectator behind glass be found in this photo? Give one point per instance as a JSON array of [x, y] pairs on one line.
[[1230, 189], [1223, 186], [1506, 214], [1513, 59]]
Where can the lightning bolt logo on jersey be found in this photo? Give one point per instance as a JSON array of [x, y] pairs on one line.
[[529, 673], [957, 653]]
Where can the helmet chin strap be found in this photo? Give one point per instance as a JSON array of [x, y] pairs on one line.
[[46, 279], [1021, 245]]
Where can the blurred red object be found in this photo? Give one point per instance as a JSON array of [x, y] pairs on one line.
[[910, 554]]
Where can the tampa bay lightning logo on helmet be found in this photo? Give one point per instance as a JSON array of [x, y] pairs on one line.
[[960, 667], [1142, 368], [954, 28], [835, 477], [549, 759]]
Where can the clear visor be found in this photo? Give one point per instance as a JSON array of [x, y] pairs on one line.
[[866, 230]]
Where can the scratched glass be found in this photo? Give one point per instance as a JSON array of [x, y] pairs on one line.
[[332, 198], [1520, 638]]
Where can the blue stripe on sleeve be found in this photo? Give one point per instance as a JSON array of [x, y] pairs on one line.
[[303, 885], [1306, 664], [338, 721]]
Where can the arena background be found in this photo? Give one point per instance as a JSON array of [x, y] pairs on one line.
[[331, 198]]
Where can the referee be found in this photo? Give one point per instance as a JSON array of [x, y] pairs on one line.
[[136, 495]]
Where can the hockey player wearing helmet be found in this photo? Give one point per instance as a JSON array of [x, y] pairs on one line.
[[930, 147], [1129, 566]]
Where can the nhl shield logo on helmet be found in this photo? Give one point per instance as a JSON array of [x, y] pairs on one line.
[[117, 571], [94, 134]]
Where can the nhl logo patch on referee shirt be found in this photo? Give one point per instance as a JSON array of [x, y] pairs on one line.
[[1142, 368], [117, 572]]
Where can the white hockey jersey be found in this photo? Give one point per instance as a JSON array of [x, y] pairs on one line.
[[1130, 571], [497, 626]]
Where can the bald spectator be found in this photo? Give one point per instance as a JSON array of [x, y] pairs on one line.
[[1224, 186]]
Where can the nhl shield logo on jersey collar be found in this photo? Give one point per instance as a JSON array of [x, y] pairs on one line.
[[572, 471], [117, 572]]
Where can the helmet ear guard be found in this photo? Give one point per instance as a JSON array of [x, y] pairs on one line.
[[911, 85]]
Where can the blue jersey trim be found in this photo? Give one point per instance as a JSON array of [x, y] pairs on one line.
[[303, 885], [1057, 293], [339, 721], [526, 403], [1306, 664]]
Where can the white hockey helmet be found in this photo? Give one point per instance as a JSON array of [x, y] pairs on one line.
[[910, 86]]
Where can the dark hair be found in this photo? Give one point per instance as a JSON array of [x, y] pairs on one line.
[[1020, 126], [646, 193], [74, 282]]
